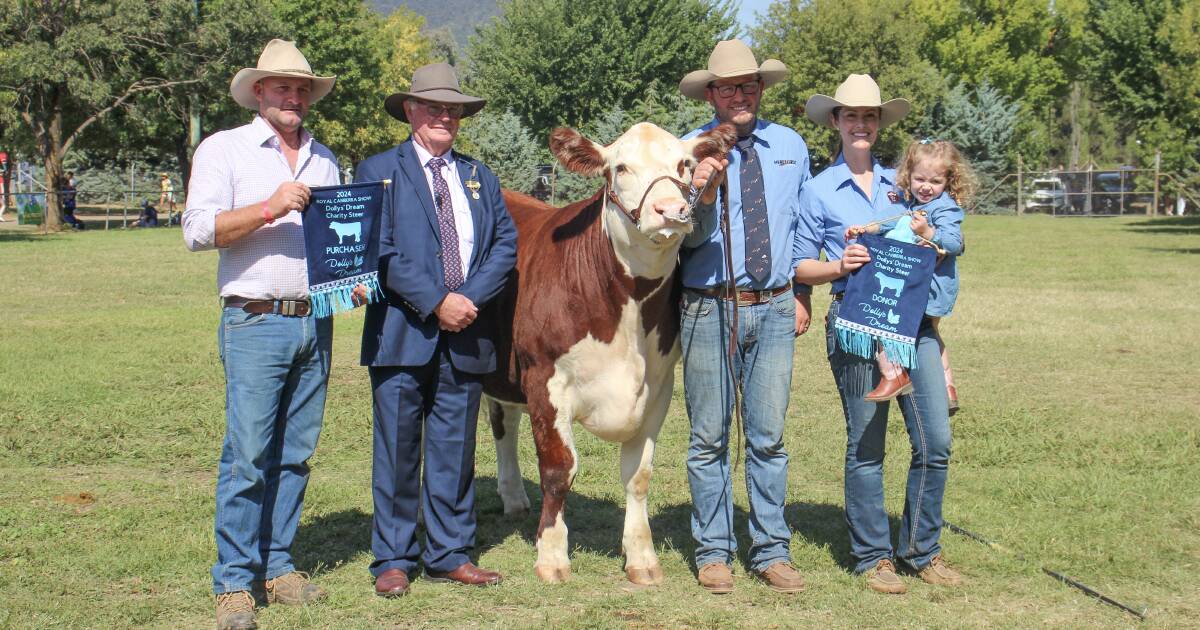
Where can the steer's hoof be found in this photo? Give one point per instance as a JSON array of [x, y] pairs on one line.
[[552, 575], [645, 576]]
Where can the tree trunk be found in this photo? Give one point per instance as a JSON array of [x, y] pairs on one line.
[[52, 159], [1076, 132]]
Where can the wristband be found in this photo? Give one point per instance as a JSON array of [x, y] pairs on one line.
[[267, 214]]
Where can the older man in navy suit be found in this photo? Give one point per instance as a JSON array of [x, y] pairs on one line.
[[447, 246]]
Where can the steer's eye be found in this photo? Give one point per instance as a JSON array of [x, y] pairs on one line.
[[685, 166], [621, 170]]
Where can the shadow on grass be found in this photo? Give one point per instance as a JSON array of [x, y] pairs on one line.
[[1187, 221], [22, 236], [1177, 226], [331, 540], [595, 525], [1172, 250]]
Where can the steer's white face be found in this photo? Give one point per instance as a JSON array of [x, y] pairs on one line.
[[643, 154], [652, 214]]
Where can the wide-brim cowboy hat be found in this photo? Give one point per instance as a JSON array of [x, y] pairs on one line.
[[731, 58], [437, 83], [858, 90], [279, 59]]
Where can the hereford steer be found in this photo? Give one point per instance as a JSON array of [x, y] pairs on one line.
[[589, 327]]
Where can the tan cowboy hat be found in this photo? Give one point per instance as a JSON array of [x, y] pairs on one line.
[[279, 59], [438, 83], [858, 90], [731, 58]]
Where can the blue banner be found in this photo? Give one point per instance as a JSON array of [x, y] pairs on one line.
[[341, 241], [885, 300]]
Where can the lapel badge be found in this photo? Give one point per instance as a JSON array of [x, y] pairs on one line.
[[473, 183]]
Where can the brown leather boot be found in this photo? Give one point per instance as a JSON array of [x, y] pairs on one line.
[[235, 611], [293, 589], [890, 388], [716, 578]]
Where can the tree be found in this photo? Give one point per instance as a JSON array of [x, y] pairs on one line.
[[981, 123], [500, 141], [555, 62], [1146, 70], [823, 41], [1010, 45], [69, 63]]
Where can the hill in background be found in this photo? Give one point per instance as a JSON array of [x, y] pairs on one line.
[[459, 17]]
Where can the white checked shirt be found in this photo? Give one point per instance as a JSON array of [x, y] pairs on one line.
[[463, 223], [242, 167]]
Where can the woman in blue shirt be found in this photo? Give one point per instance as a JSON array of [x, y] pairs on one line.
[[853, 191]]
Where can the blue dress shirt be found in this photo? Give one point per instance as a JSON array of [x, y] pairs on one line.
[[785, 165], [832, 202]]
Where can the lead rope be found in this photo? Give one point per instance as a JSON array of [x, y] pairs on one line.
[[731, 351]]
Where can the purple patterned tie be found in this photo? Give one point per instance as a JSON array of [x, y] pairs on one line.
[[754, 212], [451, 260]]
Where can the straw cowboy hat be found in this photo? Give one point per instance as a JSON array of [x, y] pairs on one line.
[[279, 59], [731, 58], [436, 82], [858, 90]]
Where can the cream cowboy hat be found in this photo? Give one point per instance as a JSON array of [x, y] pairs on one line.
[[858, 90], [435, 82], [279, 59], [731, 58]]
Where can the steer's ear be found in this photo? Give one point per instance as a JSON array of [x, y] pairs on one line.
[[576, 152], [715, 142]]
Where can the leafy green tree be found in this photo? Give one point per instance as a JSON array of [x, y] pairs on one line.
[[1146, 70], [1010, 45], [557, 62], [823, 41], [70, 63], [500, 141], [981, 123]]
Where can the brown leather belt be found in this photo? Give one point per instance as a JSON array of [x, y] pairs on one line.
[[287, 308], [744, 297]]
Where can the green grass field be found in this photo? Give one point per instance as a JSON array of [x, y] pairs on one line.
[[1076, 351]]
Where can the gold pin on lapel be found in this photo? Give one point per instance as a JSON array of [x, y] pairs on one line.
[[473, 183]]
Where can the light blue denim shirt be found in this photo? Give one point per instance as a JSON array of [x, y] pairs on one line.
[[832, 202], [946, 218], [784, 158]]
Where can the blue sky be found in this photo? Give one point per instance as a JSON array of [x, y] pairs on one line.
[[747, 10]]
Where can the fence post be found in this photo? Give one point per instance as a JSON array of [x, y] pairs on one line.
[[1020, 185], [1157, 168]]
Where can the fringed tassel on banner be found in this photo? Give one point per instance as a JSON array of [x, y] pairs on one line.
[[856, 342], [862, 343], [900, 352], [331, 298]]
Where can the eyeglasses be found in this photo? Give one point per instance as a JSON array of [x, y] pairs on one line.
[[749, 88], [437, 109]]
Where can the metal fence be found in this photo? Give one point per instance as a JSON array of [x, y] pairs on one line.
[[1091, 191]]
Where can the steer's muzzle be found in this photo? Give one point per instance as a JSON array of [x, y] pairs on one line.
[[675, 210]]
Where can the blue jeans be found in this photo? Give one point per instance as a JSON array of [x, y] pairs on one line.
[[927, 419], [276, 369], [763, 365]]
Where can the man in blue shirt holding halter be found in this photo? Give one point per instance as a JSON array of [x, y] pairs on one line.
[[765, 173]]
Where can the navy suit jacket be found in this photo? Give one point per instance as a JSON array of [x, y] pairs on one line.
[[403, 330]]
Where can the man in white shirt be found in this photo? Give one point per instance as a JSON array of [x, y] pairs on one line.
[[247, 187]]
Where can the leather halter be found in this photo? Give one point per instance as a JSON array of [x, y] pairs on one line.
[[635, 215]]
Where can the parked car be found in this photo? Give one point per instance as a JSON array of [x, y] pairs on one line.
[[1048, 194]]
